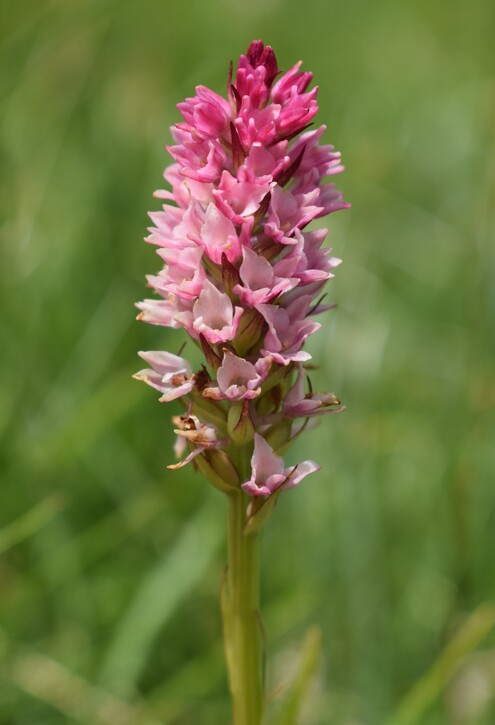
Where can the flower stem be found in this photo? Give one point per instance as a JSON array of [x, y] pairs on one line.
[[241, 619]]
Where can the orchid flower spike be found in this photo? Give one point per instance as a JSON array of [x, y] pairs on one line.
[[242, 273]]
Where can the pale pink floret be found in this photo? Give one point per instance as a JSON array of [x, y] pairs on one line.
[[207, 113], [201, 160], [298, 404], [183, 274], [293, 79], [307, 260], [289, 212], [165, 222], [176, 228], [269, 473], [331, 199], [288, 328], [314, 155], [169, 374], [212, 315], [257, 124], [260, 282], [239, 199], [219, 236], [159, 312], [184, 190], [238, 379], [263, 165]]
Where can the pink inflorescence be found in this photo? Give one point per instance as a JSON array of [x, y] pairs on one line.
[[242, 273]]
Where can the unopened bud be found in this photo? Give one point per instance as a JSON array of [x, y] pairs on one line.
[[218, 468], [209, 410], [259, 511], [250, 330], [213, 360], [278, 373], [238, 153], [230, 277], [240, 423]]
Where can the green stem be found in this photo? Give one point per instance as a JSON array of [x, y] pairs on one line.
[[241, 619]]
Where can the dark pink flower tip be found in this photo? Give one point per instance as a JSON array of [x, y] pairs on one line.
[[260, 55]]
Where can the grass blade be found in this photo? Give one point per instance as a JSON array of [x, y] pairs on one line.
[[476, 627], [161, 592], [29, 523]]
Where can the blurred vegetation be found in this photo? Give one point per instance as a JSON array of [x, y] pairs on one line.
[[109, 565]]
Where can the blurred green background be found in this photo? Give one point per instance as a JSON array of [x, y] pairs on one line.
[[110, 566]]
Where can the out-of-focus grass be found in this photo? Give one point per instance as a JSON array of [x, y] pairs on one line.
[[389, 550]]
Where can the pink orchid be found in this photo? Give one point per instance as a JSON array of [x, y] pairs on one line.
[[287, 330], [298, 404], [159, 312], [201, 160], [176, 228], [165, 222], [289, 212], [314, 155], [207, 113], [184, 190], [170, 374], [257, 124], [298, 107], [297, 112], [219, 236], [260, 282], [306, 260], [292, 80], [269, 472], [184, 274], [212, 315], [239, 199], [262, 165], [238, 379]]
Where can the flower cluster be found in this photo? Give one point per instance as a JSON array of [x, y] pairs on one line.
[[242, 273]]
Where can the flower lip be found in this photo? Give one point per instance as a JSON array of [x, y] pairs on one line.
[[288, 328], [268, 471], [260, 281], [238, 379], [213, 315]]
